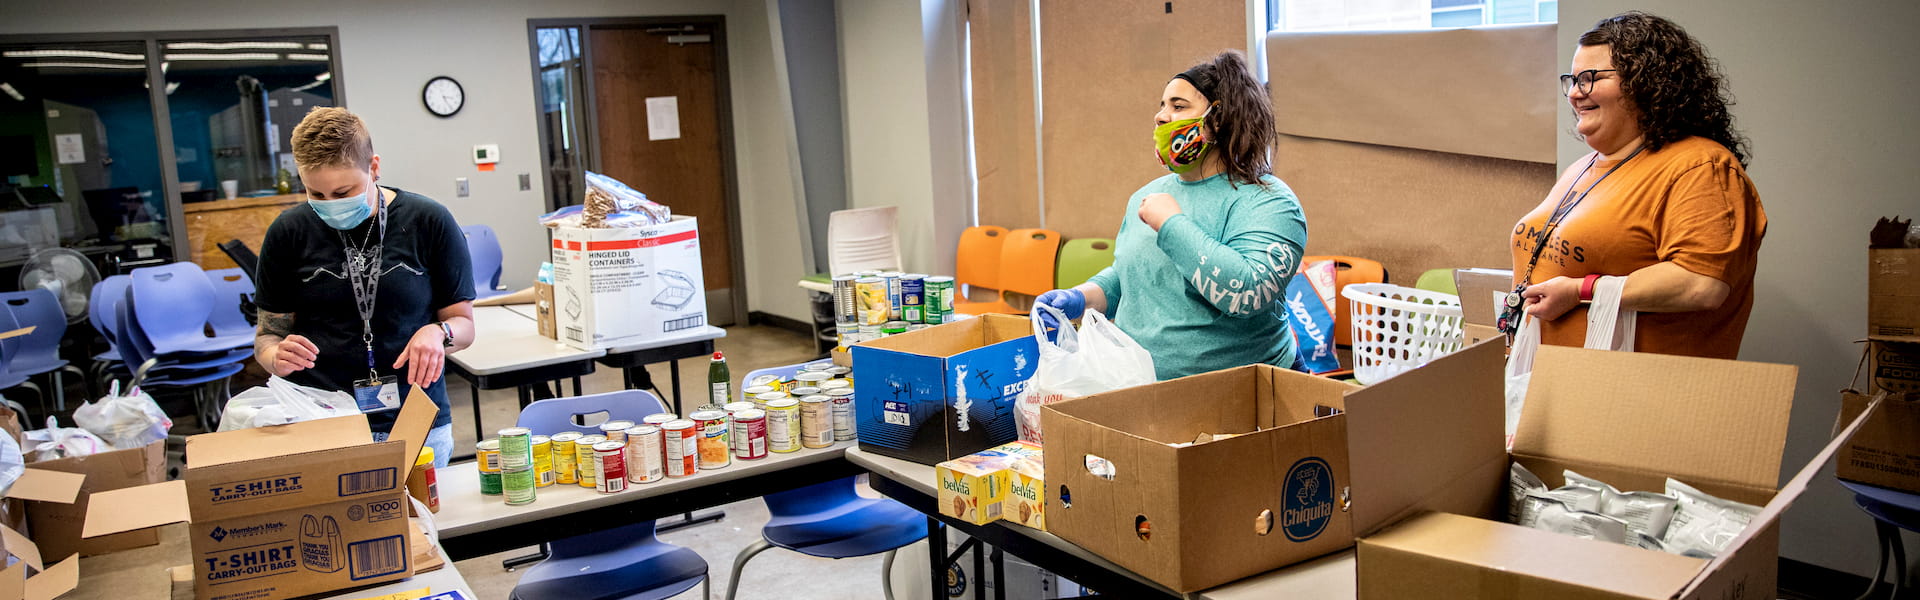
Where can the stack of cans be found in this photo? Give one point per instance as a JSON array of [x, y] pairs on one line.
[[518, 478]]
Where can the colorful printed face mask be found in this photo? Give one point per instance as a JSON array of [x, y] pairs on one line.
[[1180, 145]]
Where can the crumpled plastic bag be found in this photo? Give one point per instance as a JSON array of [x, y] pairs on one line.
[[1092, 358], [56, 442], [12, 462], [281, 402], [124, 421]]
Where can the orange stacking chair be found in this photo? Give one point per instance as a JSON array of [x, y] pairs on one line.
[[1026, 267], [976, 269], [1349, 270]]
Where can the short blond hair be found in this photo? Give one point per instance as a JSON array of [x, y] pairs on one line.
[[332, 137]]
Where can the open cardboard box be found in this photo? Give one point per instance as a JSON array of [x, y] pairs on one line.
[[945, 391], [56, 525], [1629, 419], [50, 581], [285, 511], [1893, 294], [1275, 495]]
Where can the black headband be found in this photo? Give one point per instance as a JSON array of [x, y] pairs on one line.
[[1201, 80]]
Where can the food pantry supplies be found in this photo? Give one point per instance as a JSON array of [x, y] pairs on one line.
[[611, 285], [942, 392], [973, 487]]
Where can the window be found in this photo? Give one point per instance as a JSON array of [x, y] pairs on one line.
[[1337, 15]]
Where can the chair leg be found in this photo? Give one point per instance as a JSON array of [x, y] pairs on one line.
[[59, 391], [706, 586], [1899, 563], [740, 562], [886, 573]]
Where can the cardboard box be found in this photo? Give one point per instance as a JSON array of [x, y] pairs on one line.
[[56, 527], [285, 511], [1475, 334], [1277, 494], [1893, 294], [1026, 502], [974, 487], [942, 392], [1481, 293], [1886, 450], [1629, 419], [615, 285], [543, 315]]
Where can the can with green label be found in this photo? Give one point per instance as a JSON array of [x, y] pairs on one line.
[[938, 299], [518, 485], [489, 483]]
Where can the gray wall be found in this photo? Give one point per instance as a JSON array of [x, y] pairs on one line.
[[808, 34], [1825, 92], [390, 49]]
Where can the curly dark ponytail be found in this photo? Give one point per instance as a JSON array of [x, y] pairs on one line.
[[1242, 123], [1667, 75]]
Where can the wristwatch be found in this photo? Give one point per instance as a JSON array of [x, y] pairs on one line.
[[449, 329]]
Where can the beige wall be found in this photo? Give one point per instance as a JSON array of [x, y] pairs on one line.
[[390, 49], [1824, 93]]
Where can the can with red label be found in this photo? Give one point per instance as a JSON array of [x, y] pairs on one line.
[[733, 431], [715, 445], [681, 444], [610, 466], [751, 425], [646, 462]]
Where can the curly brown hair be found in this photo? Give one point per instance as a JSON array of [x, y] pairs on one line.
[[1242, 123], [1667, 76]]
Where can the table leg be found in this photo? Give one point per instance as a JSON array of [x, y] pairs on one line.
[[1899, 561], [673, 368], [999, 573], [937, 556], [980, 572], [479, 432], [1880, 530], [576, 386]]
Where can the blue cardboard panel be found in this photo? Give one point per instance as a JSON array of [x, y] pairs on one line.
[[929, 409]]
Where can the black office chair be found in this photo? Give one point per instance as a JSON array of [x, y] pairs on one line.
[[249, 263]]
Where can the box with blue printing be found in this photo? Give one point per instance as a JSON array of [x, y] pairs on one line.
[[942, 392]]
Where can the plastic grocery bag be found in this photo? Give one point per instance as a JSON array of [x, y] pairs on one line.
[[56, 442], [1096, 357], [280, 402], [1609, 327], [124, 421]]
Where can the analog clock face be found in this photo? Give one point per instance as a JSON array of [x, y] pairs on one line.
[[443, 96]]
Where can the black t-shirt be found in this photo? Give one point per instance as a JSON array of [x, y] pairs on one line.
[[425, 268]]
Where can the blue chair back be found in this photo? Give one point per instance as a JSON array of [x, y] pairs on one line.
[[739, 391], [40, 309], [171, 303], [484, 247], [551, 416], [103, 305], [230, 287], [10, 347]]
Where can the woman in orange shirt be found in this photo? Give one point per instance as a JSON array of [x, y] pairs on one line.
[[1662, 200]]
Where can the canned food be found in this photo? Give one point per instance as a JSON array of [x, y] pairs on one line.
[[733, 431], [840, 372], [610, 466], [566, 463], [752, 391], [489, 483], [819, 366], [938, 300], [542, 461], [681, 445], [583, 448], [517, 485], [750, 427], [811, 379], [917, 326], [802, 391], [616, 431], [487, 454], [872, 305], [842, 399], [762, 399], [835, 384], [715, 445], [657, 419], [770, 381], [912, 296], [516, 448], [858, 275], [845, 317], [893, 328], [646, 462], [783, 425], [893, 292], [816, 422]]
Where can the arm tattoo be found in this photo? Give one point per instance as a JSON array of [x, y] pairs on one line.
[[275, 324]]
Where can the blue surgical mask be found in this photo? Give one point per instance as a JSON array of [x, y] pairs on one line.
[[343, 214]]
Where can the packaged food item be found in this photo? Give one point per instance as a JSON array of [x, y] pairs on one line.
[[1520, 482], [566, 462], [1644, 541], [1579, 497], [1026, 501], [1644, 512], [646, 457], [975, 488], [1704, 525], [1555, 515]]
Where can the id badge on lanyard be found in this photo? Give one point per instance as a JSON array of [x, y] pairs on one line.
[[376, 393]]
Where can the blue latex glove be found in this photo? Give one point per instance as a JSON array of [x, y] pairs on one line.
[[1070, 301]]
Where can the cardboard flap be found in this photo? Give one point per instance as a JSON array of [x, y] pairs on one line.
[[18, 545], [135, 508], [55, 581], [13, 582], [1785, 498], [1693, 419], [1422, 432], [415, 420], [239, 445], [47, 486], [1616, 570], [17, 332]]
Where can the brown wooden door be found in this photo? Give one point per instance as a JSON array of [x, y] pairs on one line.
[[632, 64]]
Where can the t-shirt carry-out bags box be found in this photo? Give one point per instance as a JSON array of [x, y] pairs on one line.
[[626, 284]]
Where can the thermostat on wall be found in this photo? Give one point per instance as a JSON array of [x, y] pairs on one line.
[[486, 154]]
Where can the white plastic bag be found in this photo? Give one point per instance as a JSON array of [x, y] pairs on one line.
[[124, 422], [56, 442], [1097, 357], [1609, 327], [280, 402]]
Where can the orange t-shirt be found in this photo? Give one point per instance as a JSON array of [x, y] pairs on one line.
[[1691, 204]]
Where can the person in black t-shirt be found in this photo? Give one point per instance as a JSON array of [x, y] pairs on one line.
[[360, 260]]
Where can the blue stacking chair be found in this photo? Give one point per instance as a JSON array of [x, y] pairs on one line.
[[9, 348], [625, 562], [488, 259], [171, 305], [39, 352], [230, 288], [831, 520]]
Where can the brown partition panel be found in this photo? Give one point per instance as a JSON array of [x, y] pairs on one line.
[[1001, 42]]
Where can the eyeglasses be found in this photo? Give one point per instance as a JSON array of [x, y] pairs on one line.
[[1584, 80]]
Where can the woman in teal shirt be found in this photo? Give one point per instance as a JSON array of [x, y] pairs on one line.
[[1205, 253]]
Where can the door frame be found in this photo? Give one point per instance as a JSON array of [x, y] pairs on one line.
[[723, 100]]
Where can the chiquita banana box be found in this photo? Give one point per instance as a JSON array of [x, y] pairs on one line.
[[973, 487]]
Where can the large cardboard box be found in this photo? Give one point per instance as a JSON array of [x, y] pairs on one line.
[[1893, 294], [942, 392], [1629, 419], [56, 527], [1886, 450], [285, 511], [1125, 479], [627, 284]]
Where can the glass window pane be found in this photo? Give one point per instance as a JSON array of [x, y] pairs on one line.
[[562, 85], [1438, 4], [1514, 11], [1457, 18], [1548, 12]]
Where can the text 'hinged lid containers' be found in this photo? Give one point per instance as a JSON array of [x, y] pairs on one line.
[[1126, 480], [625, 284], [1629, 419], [942, 392]]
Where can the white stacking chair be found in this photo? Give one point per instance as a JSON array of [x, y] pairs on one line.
[[863, 239]]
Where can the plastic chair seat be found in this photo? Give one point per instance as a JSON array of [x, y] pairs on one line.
[[658, 569], [859, 528], [172, 303], [193, 377], [37, 352], [10, 379], [31, 368], [230, 286]]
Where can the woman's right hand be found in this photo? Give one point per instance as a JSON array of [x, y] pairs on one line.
[[1069, 301], [293, 353]]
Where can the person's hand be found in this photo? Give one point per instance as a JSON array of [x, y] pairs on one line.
[[1551, 299], [1156, 208], [1072, 302], [425, 356], [293, 353]]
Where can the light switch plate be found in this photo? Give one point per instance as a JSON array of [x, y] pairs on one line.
[[526, 182], [460, 187]]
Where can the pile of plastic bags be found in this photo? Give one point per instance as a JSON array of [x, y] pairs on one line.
[[609, 204], [281, 402]]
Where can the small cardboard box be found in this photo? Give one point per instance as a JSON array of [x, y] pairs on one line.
[[1026, 501], [942, 392], [1125, 479], [974, 487], [1629, 419], [56, 527], [623, 284], [285, 511], [1893, 294], [543, 316]]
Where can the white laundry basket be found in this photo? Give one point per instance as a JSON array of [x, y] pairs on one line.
[[1396, 329]]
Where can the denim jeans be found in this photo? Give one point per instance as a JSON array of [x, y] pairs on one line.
[[440, 439]]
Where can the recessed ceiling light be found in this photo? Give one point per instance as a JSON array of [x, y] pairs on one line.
[[79, 65], [71, 54], [234, 56], [233, 46]]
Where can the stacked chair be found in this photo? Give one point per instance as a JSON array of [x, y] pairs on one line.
[[37, 353], [162, 314]]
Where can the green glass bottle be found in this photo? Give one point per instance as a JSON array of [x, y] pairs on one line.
[[721, 379]]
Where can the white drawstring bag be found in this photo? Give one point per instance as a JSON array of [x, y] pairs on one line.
[[1094, 358], [125, 421], [1609, 327], [56, 442]]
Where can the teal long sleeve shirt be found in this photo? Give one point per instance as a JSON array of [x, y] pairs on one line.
[[1207, 291]]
